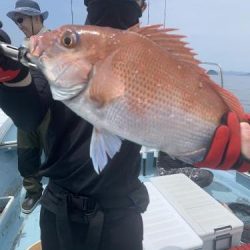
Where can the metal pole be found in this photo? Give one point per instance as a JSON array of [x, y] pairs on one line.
[[144, 163], [8, 144]]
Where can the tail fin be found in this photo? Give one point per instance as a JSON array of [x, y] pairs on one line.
[[231, 100]]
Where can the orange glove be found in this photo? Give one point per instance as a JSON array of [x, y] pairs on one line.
[[8, 75], [225, 149], [243, 247], [248, 117]]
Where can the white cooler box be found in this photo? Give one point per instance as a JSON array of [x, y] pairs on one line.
[[215, 225], [164, 228]]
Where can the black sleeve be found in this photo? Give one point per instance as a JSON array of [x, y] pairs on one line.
[[26, 106], [110, 14]]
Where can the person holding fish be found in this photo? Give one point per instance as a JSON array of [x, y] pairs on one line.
[[30, 20], [94, 199]]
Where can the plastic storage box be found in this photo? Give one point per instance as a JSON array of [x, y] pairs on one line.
[[164, 228], [218, 227]]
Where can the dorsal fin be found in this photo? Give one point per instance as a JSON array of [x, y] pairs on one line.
[[172, 44], [169, 42]]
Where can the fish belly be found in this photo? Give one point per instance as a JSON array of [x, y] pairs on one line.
[[178, 133], [181, 134]]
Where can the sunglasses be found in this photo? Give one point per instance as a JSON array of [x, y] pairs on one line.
[[19, 20]]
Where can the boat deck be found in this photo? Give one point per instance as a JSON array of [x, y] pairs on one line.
[[227, 187]]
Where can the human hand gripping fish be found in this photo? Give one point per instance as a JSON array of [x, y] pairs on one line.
[[142, 84]]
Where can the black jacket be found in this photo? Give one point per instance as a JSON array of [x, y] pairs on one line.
[[26, 105], [119, 14], [69, 164], [87, 2]]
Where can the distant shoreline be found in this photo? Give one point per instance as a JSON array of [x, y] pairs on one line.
[[230, 72], [236, 73]]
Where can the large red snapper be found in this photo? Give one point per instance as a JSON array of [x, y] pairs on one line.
[[142, 84]]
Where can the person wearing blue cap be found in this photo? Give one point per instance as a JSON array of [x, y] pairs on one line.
[[29, 18]]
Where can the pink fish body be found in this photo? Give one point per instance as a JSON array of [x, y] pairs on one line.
[[142, 84]]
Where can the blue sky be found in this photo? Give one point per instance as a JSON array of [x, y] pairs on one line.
[[217, 30]]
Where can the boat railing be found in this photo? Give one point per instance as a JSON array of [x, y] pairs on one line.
[[8, 144], [219, 69]]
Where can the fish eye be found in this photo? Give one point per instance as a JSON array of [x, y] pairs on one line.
[[69, 39]]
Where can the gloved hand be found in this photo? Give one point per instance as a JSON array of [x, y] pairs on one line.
[[11, 71], [225, 150]]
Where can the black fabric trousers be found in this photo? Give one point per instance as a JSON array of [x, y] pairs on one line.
[[122, 230], [30, 148]]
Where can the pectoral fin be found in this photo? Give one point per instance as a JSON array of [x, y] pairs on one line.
[[103, 145]]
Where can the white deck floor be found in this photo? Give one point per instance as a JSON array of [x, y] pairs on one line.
[[5, 124]]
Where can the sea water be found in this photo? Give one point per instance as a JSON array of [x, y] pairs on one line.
[[239, 85]]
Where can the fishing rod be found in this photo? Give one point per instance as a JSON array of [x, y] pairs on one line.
[[165, 13], [17, 54]]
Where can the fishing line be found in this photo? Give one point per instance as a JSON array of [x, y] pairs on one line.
[[32, 26], [72, 12], [165, 13], [148, 11]]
